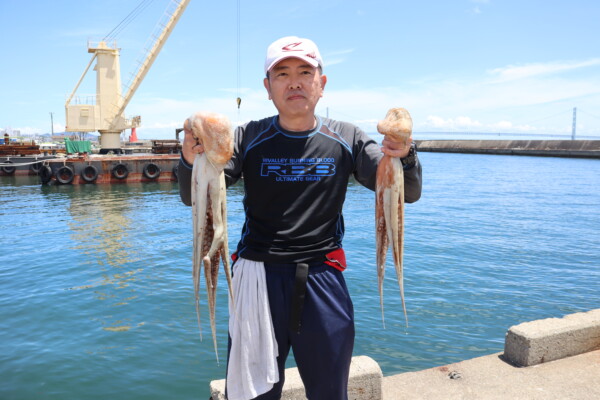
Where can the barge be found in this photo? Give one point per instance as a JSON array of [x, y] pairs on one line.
[[79, 166], [103, 169]]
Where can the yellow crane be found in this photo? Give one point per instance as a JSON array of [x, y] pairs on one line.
[[106, 115]]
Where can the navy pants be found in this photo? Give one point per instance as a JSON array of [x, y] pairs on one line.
[[323, 347]]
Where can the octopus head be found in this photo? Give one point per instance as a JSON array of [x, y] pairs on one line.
[[214, 132], [397, 124]]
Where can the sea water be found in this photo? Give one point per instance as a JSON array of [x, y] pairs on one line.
[[96, 297]]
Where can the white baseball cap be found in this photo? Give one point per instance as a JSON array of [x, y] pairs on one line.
[[292, 46]]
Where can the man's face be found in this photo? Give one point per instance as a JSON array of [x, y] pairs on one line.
[[295, 87]]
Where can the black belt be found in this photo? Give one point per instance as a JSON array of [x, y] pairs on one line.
[[298, 297]]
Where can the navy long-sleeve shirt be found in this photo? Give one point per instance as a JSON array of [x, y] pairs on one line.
[[295, 186]]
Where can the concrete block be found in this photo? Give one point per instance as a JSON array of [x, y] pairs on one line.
[[544, 340], [365, 382]]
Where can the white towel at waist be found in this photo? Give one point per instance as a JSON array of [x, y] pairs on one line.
[[252, 368]]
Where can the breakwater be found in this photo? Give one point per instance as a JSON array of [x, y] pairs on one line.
[[545, 148]]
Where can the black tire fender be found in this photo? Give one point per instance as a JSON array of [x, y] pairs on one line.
[[65, 175], [8, 170], [45, 174], [36, 167], [151, 171], [89, 173], [120, 171]]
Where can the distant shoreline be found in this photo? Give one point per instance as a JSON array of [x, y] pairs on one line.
[[543, 148]]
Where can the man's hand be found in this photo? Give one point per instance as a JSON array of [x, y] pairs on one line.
[[190, 146], [396, 149]]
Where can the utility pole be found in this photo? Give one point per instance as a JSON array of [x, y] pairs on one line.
[[574, 123], [52, 123]]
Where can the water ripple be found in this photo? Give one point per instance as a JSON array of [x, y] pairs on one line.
[[96, 298]]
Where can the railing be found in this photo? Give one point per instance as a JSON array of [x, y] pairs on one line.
[[85, 99], [94, 44]]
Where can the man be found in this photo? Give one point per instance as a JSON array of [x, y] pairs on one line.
[[296, 166]]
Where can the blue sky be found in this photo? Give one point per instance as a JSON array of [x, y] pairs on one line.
[[456, 65]]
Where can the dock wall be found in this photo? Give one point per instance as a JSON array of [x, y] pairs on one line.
[[544, 148]]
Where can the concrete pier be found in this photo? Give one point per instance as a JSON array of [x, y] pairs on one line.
[[545, 148], [365, 382], [491, 378], [572, 343], [536, 342]]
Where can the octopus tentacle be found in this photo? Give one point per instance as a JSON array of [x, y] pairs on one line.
[[209, 209], [389, 203], [225, 250], [382, 242], [199, 207]]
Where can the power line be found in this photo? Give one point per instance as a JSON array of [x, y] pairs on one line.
[[587, 113], [549, 117]]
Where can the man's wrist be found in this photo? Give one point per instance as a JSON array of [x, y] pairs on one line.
[[185, 163], [411, 159]]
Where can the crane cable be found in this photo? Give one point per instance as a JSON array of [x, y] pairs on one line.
[[239, 69], [127, 20]]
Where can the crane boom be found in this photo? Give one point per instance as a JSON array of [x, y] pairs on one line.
[[153, 53]]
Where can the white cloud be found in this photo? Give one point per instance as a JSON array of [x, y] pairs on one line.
[[336, 57], [458, 123], [536, 103], [468, 124], [28, 130], [514, 72], [502, 126], [58, 127], [340, 52], [477, 10], [540, 100], [161, 116], [436, 122]]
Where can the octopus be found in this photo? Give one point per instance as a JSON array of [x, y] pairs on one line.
[[389, 201], [209, 207]]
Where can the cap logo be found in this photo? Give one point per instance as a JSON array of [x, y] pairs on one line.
[[291, 47]]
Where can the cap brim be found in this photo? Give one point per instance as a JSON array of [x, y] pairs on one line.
[[309, 60]]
